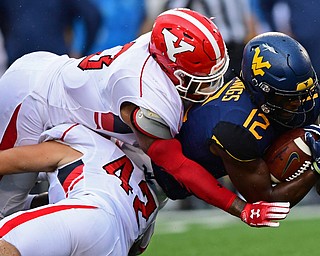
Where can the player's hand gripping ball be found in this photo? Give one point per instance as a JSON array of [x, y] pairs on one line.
[[289, 156]]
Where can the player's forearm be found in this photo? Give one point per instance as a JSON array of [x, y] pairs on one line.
[[295, 190], [292, 191], [34, 158], [14, 160], [168, 155]]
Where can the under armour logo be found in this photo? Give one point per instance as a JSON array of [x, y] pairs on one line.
[[257, 213], [170, 39]]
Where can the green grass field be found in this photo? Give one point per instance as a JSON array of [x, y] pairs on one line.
[[197, 234]]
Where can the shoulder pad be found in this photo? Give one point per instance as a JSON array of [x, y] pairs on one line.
[[150, 123], [238, 142]]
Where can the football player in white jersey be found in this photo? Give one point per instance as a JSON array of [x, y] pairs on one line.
[[104, 203], [132, 92]]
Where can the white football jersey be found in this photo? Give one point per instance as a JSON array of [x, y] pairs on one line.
[[41, 90], [104, 170], [58, 89]]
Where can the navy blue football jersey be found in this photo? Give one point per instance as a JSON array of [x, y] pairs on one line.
[[231, 120]]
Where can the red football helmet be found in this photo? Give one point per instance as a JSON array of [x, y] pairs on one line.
[[191, 51]]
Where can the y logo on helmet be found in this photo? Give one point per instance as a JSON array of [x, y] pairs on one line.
[[305, 84], [258, 64], [170, 39]]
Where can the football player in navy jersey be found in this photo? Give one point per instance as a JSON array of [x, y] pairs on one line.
[[228, 134]]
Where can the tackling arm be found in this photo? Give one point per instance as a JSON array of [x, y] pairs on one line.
[[198, 181], [46, 156], [168, 155]]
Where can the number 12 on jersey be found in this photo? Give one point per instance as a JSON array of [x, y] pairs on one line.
[[252, 124]]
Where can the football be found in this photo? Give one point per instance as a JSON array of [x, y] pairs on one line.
[[289, 156]]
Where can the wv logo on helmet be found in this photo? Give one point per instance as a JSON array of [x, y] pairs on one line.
[[258, 64]]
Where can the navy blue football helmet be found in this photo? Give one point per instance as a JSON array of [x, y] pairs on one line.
[[279, 74]]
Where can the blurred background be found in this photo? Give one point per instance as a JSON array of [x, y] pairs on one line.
[[82, 27]]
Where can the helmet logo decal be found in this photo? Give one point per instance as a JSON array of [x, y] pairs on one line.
[[305, 84], [258, 64], [170, 39]]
